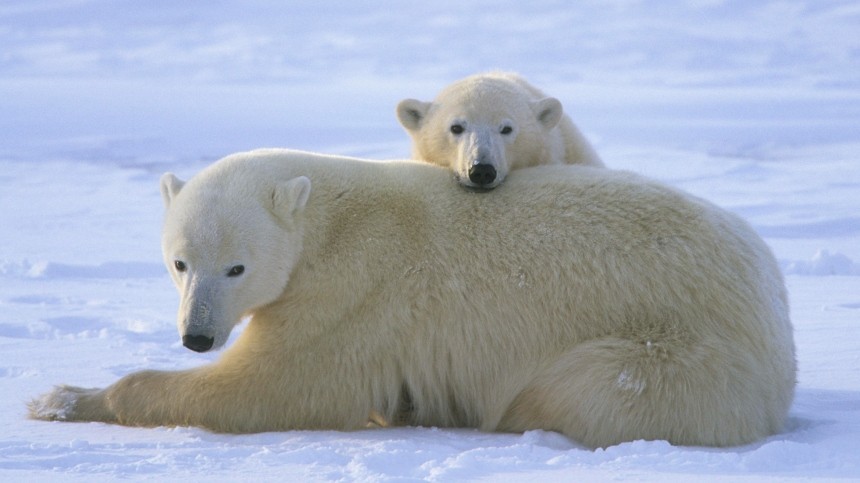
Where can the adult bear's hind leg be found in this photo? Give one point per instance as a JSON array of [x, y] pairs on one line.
[[610, 390]]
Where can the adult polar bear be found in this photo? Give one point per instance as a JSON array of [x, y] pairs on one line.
[[485, 125], [595, 303]]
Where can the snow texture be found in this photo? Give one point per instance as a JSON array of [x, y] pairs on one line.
[[753, 105]]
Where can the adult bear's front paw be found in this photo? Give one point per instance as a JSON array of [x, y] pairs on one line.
[[61, 404]]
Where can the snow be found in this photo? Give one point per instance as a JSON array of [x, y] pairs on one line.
[[753, 105]]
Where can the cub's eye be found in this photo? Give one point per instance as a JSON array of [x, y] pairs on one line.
[[180, 265], [236, 271], [506, 130], [457, 129]]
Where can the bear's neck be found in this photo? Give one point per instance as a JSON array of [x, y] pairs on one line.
[[361, 222], [360, 205]]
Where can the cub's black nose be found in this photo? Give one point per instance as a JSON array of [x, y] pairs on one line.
[[198, 343], [482, 174]]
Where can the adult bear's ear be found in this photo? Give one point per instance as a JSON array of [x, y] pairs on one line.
[[411, 113], [548, 111], [170, 186], [290, 197]]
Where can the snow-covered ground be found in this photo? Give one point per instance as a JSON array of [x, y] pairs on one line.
[[754, 105]]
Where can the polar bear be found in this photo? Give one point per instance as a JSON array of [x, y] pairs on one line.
[[485, 125], [595, 303]]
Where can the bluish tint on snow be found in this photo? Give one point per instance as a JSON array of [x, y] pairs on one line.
[[753, 105]]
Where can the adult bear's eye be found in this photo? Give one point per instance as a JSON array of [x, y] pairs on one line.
[[457, 129], [180, 265], [506, 130], [236, 271]]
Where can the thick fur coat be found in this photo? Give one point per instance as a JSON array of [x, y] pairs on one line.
[[595, 303]]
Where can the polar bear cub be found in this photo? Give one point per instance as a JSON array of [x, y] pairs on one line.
[[485, 125]]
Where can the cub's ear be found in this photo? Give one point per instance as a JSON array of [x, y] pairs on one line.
[[411, 113], [548, 111], [170, 186], [290, 197]]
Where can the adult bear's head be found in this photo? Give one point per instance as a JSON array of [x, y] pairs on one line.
[[229, 243]]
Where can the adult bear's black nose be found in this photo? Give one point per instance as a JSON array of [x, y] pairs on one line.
[[198, 343], [482, 174]]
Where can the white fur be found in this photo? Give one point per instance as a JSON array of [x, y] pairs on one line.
[[506, 123], [587, 301], [213, 302]]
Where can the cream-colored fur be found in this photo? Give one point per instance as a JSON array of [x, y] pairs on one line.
[[595, 303], [486, 125]]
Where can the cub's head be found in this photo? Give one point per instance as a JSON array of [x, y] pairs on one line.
[[229, 244], [481, 128]]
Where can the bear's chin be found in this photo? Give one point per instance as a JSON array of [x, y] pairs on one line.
[[473, 188], [479, 189]]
